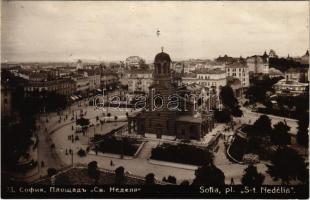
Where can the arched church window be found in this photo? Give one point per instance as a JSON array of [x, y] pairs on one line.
[[165, 69]]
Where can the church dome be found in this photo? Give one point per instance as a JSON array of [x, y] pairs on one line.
[[162, 57]]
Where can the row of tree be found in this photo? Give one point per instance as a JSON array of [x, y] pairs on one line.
[[279, 134], [286, 165]]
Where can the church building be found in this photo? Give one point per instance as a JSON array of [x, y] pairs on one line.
[[170, 110]]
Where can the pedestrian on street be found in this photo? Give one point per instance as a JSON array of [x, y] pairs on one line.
[[111, 163], [232, 182], [42, 163]]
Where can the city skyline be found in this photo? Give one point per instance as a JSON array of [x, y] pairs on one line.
[[67, 31]]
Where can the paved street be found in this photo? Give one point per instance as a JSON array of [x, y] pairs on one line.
[[249, 116], [45, 153], [57, 133], [235, 171]]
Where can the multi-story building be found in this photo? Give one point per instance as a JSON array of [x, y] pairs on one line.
[[64, 87], [212, 78], [94, 81], [189, 67], [38, 76], [82, 85], [63, 72], [134, 61], [92, 75], [258, 64], [296, 74], [177, 67], [24, 74], [109, 79], [189, 78], [208, 99], [139, 80], [239, 70]]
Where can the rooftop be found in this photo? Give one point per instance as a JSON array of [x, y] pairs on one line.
[[189, 118], [296, 70], [236, 65], [140, 71], [210, 71], [162, 57], [284, 82]]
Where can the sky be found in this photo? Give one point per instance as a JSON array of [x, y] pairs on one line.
[[113, 31]]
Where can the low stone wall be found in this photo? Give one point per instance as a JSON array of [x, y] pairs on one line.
[[110, 155], [172, 164]]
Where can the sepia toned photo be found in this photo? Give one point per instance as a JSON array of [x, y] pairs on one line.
[[155, 99]]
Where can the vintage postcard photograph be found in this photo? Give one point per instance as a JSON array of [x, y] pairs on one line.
[[155, 99]]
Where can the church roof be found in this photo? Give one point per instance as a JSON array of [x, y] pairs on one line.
[[189, 118], [162, 57]]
